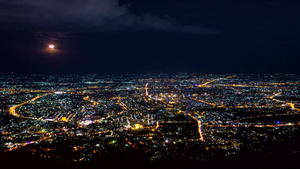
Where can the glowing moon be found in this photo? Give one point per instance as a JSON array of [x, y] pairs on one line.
[[51, 46]]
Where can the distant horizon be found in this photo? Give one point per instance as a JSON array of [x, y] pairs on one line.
[[149, 73]]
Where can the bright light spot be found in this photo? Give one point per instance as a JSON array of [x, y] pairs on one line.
[[58, 92], [138, 126], [64, 118], [86, 122], [51, 46]]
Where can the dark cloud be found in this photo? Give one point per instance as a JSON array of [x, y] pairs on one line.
[[83, 15]]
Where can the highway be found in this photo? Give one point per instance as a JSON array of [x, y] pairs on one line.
[[206, 83], [12, 110], [280, 101], [199, 126], [19, 145], [255, 125], [205, 102]]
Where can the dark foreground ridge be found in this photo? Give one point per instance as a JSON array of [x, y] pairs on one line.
[[282, 157]]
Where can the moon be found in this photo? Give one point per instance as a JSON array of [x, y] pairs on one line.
[[51, 46]]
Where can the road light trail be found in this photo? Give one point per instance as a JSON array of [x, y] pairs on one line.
[[292, 105], [12, 110], [18, 145], [242, 85], [205, 102], [271, 97], [255, 125], [206, 83], [199, 126], [105, 131], [276, 94], [146, 88]]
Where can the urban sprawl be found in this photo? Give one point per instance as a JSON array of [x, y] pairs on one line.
[[180, 116]]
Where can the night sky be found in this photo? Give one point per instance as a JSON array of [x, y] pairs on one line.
[[150, 36]]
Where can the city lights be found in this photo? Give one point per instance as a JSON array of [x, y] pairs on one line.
[[222, 113]]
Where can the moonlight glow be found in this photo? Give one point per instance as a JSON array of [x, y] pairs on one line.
[[51, 46]]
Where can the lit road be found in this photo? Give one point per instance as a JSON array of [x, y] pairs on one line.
[[206, 83], [205, 102], [19, 145], [242, 85], [293, 106], [199, 126], [146, 89], [105, 131], [255, 125], [280, 101], [272, 97], [12, 110]]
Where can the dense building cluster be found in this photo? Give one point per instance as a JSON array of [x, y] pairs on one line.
[[181, 116]]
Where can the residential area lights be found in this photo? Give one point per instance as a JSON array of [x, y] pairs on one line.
[[225, 112]]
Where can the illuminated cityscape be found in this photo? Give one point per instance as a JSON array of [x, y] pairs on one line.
[[160, 117], [150, 84]]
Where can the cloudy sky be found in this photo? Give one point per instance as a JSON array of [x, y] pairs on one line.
[[85, 15], [142, 36]]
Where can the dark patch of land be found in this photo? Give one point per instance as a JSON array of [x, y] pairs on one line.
[[284, 154]]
